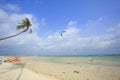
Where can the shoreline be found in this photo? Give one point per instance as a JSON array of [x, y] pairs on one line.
[[67, 70], [74, 72]]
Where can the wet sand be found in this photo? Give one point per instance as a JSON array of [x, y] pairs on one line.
[[85, 70], [73, 69]]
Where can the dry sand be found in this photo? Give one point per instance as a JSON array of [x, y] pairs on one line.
[[70, 71], [17, 71]]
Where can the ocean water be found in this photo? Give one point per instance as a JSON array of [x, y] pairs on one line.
[[107, 58], [77, 59], [82, 60]]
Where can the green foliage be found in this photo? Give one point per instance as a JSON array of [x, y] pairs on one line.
[[20, 27], [25, 24]]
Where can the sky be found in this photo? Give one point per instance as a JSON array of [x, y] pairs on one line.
[[91, 27]]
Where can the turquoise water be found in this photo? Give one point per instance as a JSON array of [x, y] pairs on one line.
[[64, 59], [107, 58]]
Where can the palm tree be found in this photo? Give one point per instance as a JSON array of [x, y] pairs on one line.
[[24, 25]]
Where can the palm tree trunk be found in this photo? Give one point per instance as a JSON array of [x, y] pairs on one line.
[[14, 35]]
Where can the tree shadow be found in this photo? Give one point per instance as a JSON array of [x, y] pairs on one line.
[[16, 66], [22, 67], [7, 71]]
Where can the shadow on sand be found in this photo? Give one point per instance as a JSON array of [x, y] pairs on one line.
[[21, 65], [7, 71], [14, 67]]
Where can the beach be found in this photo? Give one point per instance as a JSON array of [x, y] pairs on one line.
[[73, 68], [14, 72], [59, 39]]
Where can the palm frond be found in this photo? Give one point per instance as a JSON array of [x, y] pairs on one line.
[[27, 20], [30, 30], [20, 27], [25, 24]]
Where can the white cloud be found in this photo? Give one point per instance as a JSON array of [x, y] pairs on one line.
[[72, 24], [3, 15], [10, 7], [115, 29], [32, 43]]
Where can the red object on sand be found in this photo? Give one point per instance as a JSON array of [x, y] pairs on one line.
[[9, 60], [14, 60]]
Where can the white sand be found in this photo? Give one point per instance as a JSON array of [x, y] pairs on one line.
[[85, 70], [9, 72], [82, 71]]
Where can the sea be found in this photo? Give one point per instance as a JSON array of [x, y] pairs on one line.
[[109, 60]]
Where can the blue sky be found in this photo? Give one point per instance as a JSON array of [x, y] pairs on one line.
[[92, 27]]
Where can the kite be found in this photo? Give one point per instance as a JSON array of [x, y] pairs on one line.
[[62, 33]]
